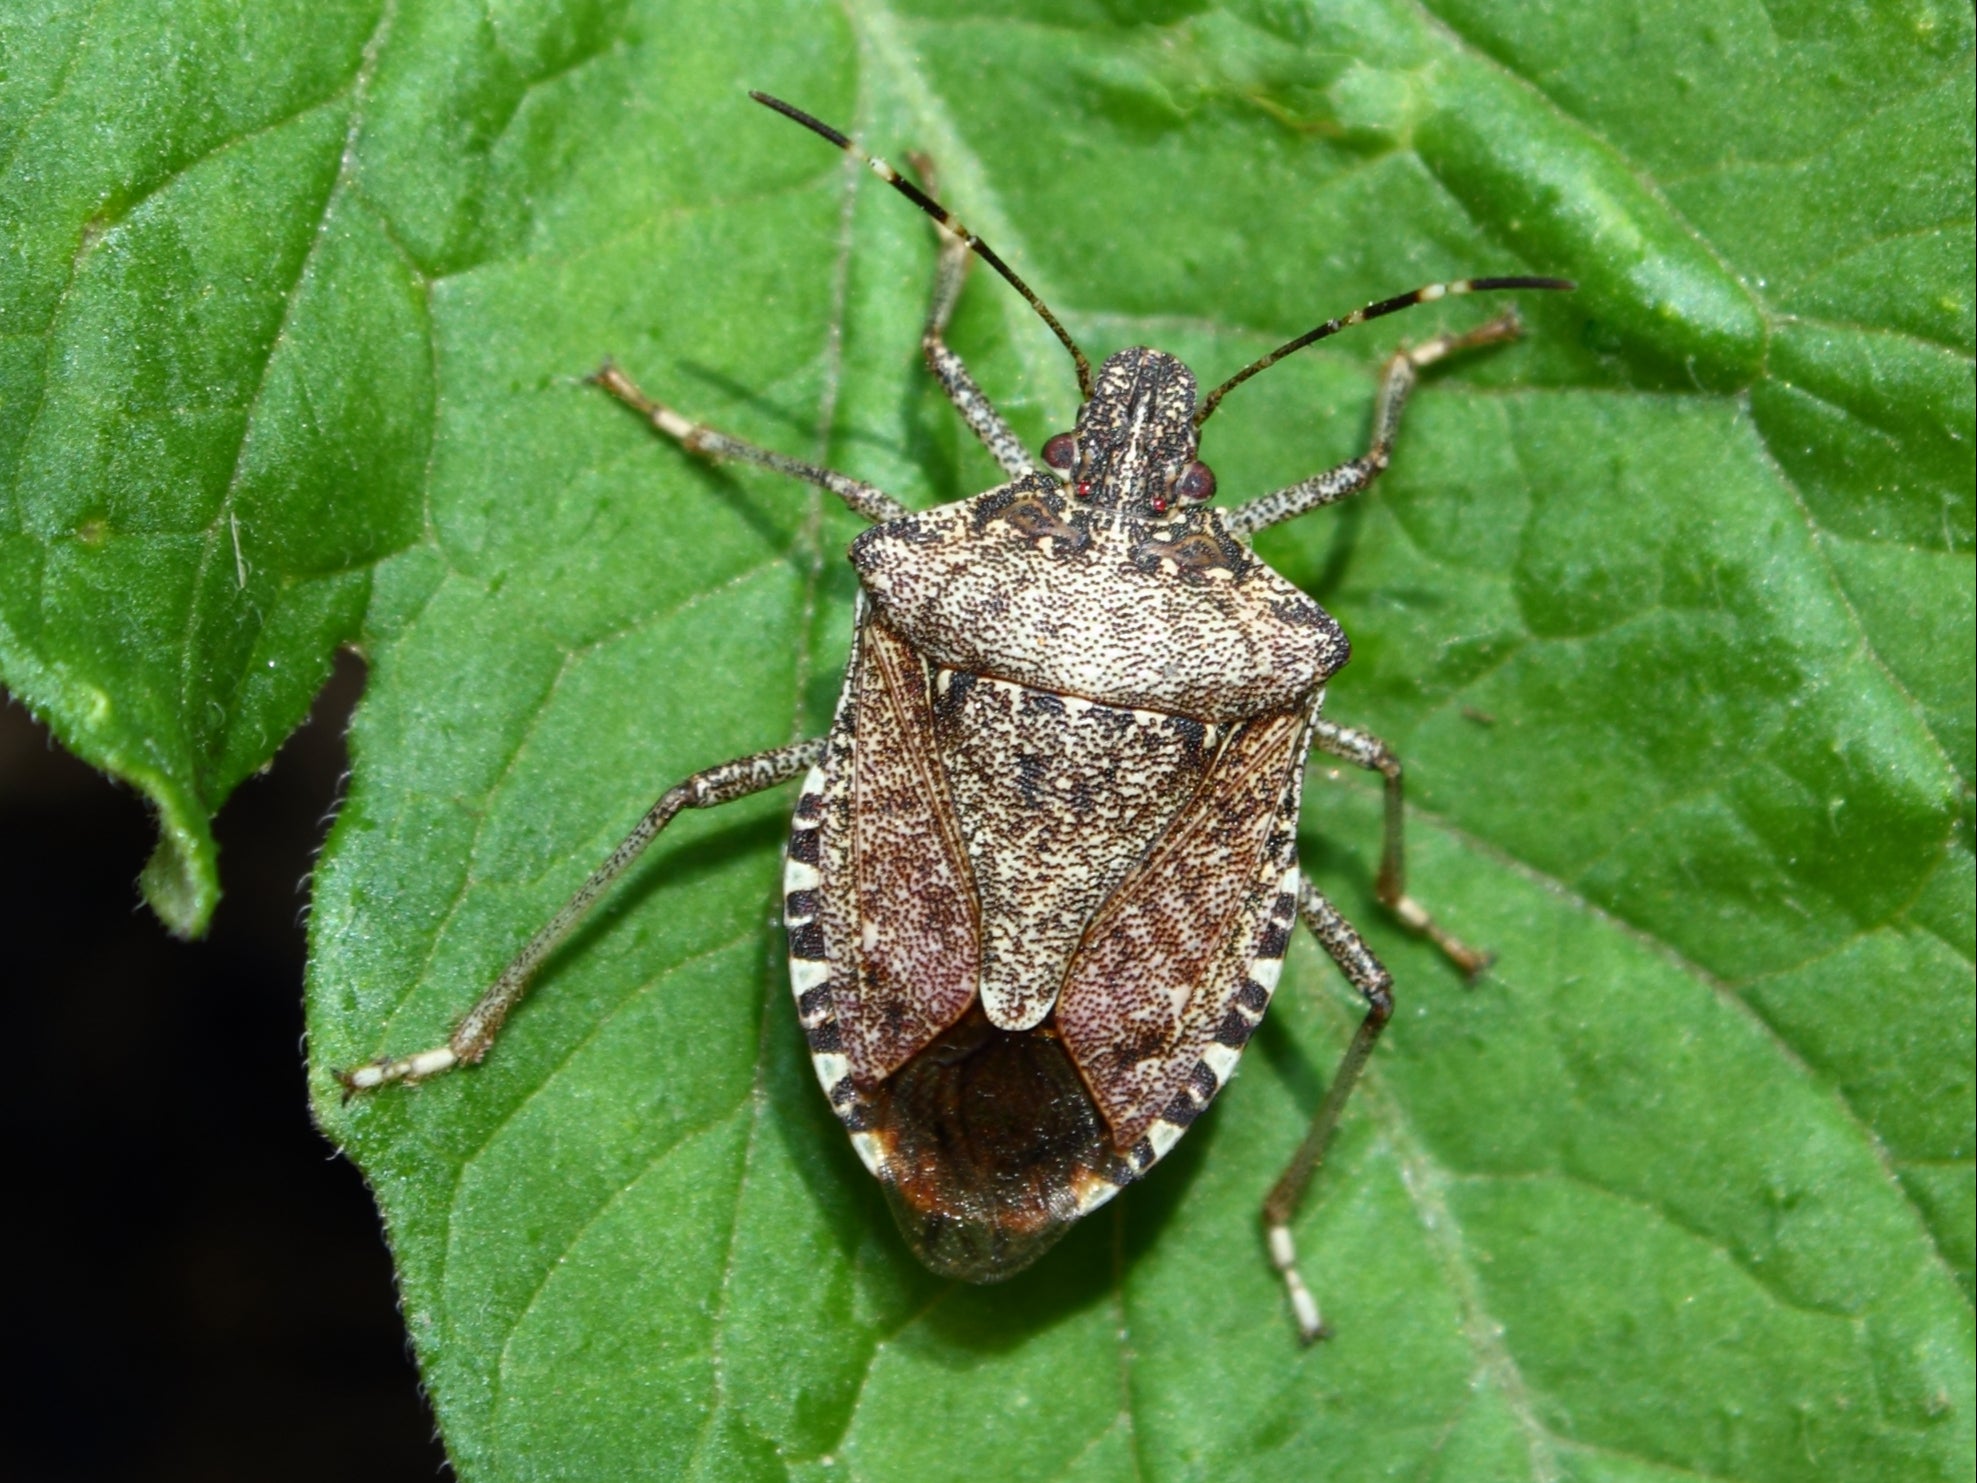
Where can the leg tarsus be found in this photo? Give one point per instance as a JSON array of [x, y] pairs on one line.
[[474, 1034], [1348, 949], [1471, 962], [865, 499], [1363, 749]]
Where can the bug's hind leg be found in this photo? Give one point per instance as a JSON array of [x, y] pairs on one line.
[[1366, 750], [1355, 474], [1366, 974], [968, 398], [866, 499], [475, 1033]]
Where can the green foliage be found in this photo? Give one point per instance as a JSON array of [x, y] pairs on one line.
[[1669, 609]]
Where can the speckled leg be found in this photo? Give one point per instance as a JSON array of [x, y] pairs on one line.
[[1366, 750], [1354, 475], [968, 398], [475, 1033], [873, 503], [1356, 961]]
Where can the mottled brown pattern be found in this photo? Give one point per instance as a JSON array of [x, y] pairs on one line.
[[1161, 965], [1100, 616], [1136, 856], [1053, 878], [917, 928], [1056, 800]]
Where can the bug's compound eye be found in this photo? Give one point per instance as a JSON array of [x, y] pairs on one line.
[[1061, 451], [1197, 483]]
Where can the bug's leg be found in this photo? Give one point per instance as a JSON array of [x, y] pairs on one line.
[[1366, 750], [868, 500], [968, 398], [1355, 474], [476, 1031], [1375, 984]]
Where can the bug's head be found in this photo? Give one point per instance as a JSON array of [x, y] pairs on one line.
[[1134, 448]]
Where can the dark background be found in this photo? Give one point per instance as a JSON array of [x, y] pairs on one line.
[[200, 1288]]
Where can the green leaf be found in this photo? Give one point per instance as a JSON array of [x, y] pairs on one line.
[[218, 391], [1669, 609]]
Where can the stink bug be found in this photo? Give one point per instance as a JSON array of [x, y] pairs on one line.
[[1043, 869]]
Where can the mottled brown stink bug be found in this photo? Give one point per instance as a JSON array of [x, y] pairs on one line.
[[1043, 870]]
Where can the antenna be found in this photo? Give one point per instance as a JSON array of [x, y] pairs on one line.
[[942, 215], [1424, 295]]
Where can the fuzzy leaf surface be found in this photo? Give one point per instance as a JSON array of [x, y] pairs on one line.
[[1668, 608]]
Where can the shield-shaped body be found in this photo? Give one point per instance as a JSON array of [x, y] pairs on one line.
[[1039, 889]]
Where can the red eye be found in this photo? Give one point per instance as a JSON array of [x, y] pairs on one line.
[[1084, 490], [1197, 482], [1061, 451]]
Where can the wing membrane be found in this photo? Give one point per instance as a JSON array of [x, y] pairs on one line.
[[1164, 959], [918, 937]]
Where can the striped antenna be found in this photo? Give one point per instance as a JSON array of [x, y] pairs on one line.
[[942, 215], [1331, 327]]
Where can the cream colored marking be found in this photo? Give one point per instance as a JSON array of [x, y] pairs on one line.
[[1304, 1306], [1283, 1256], [870, 1154], [1163, 1135], [407, 1068], [1221, 1059], [1282, 1251], [1434, 291], [674, 425], [800, 876], [806, 974], [1097, 1190], [1411, 914], [832, 1068]]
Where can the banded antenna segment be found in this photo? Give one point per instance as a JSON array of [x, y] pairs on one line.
[[946, 218], [1427, 294]]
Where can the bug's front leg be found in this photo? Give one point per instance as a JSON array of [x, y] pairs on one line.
[[475, 1033], [1366, 750], [1355, 474], [866, 499], [968, 398], [1366, 974]]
